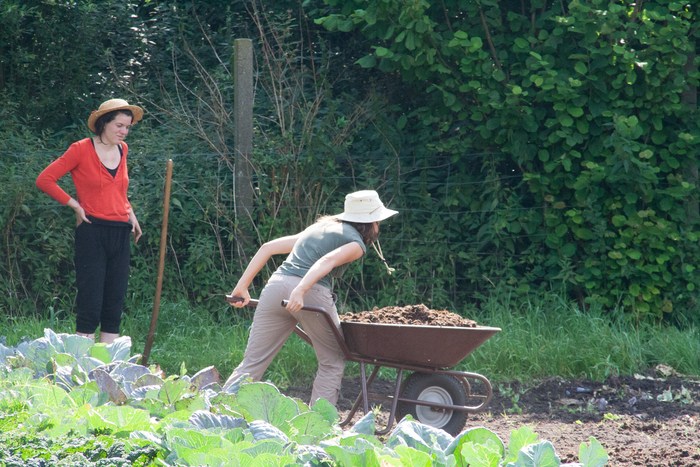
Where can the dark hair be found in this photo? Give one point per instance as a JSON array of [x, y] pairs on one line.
[[366, 230], [103, 120]]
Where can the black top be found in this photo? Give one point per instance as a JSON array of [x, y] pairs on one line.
[[112, 172]]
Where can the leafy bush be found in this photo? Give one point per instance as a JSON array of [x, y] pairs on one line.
[[529, 146], [588, 107]]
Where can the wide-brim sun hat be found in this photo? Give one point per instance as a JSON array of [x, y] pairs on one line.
[[112, 105], [365, 207]]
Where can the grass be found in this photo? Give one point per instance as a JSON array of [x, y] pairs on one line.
[[552, 337], [539, 338]]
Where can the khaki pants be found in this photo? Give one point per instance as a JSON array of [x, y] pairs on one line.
[[272, 324]]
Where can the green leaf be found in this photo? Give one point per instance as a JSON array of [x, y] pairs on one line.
[[412, 457], [575, 111], [478, 436], [581, 68], [634, 254], [658, 137], [619, 220], [381, 51], [368, 61], [521, 43], [363, 453], [263, 401], [307, 428], [418, 436], [568, 250], [410, 41], [346, 25], [327, 411], [481, 455], [499, 75], [566, 121], [401, 122], [541, 454], [365, 425], [582, 126], [543, 155], [520, 438], [593, 455], [174, 390], [100, 352]]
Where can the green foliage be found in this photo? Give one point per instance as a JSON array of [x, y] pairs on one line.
[[586, 105], [529, 146], [186, 420]]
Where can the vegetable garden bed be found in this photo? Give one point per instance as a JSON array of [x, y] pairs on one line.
[[64, 390]]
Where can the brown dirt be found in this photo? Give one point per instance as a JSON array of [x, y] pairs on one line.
[[412, 314], [634, 427], [626, 414]]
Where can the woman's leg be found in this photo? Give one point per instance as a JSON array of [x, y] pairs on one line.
[[117, 244], [90, 266], [107, 337], [331, 359], [272, 324]]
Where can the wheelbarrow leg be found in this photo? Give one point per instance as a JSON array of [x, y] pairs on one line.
[[365, 402], [394, 404], [362, 397]]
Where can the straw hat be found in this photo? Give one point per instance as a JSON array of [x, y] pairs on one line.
[[112, 105], [365, 207]]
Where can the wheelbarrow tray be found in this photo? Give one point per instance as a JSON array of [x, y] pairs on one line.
[[432, 346]]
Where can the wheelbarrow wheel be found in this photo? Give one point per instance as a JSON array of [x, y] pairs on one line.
[[439, 389]]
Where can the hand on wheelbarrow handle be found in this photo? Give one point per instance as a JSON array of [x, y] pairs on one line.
[[232, 299], [254, 302], [318, 309]]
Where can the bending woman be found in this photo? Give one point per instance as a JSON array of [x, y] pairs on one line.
[[104, 216], [317, 254]]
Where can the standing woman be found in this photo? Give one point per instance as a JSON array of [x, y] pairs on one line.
[[104, 216], [317, 254]]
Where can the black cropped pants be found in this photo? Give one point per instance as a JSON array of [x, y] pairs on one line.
[[102, 252]]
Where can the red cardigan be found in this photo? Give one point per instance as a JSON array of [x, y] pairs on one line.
[[99, 194]]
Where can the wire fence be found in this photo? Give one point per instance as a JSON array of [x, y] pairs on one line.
[[455, 284]]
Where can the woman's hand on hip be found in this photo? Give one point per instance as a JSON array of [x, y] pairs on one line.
[[80, 216]]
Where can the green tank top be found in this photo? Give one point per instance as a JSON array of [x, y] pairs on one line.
[[315, 242]]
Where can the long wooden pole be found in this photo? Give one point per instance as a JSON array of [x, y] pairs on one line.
[[161, 265]]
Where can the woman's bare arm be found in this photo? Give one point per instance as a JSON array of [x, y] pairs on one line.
[[345, 254], [282, 245]]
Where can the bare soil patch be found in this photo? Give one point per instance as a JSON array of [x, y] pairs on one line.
[[642, 420], [629, 416]]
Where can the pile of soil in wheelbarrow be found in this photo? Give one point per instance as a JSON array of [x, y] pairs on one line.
[[412, 314]]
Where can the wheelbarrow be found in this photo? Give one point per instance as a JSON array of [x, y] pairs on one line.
[[433, 394]]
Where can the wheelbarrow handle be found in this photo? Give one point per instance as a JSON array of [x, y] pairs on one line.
[[232, 299], [254, 302], [318, 309]]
